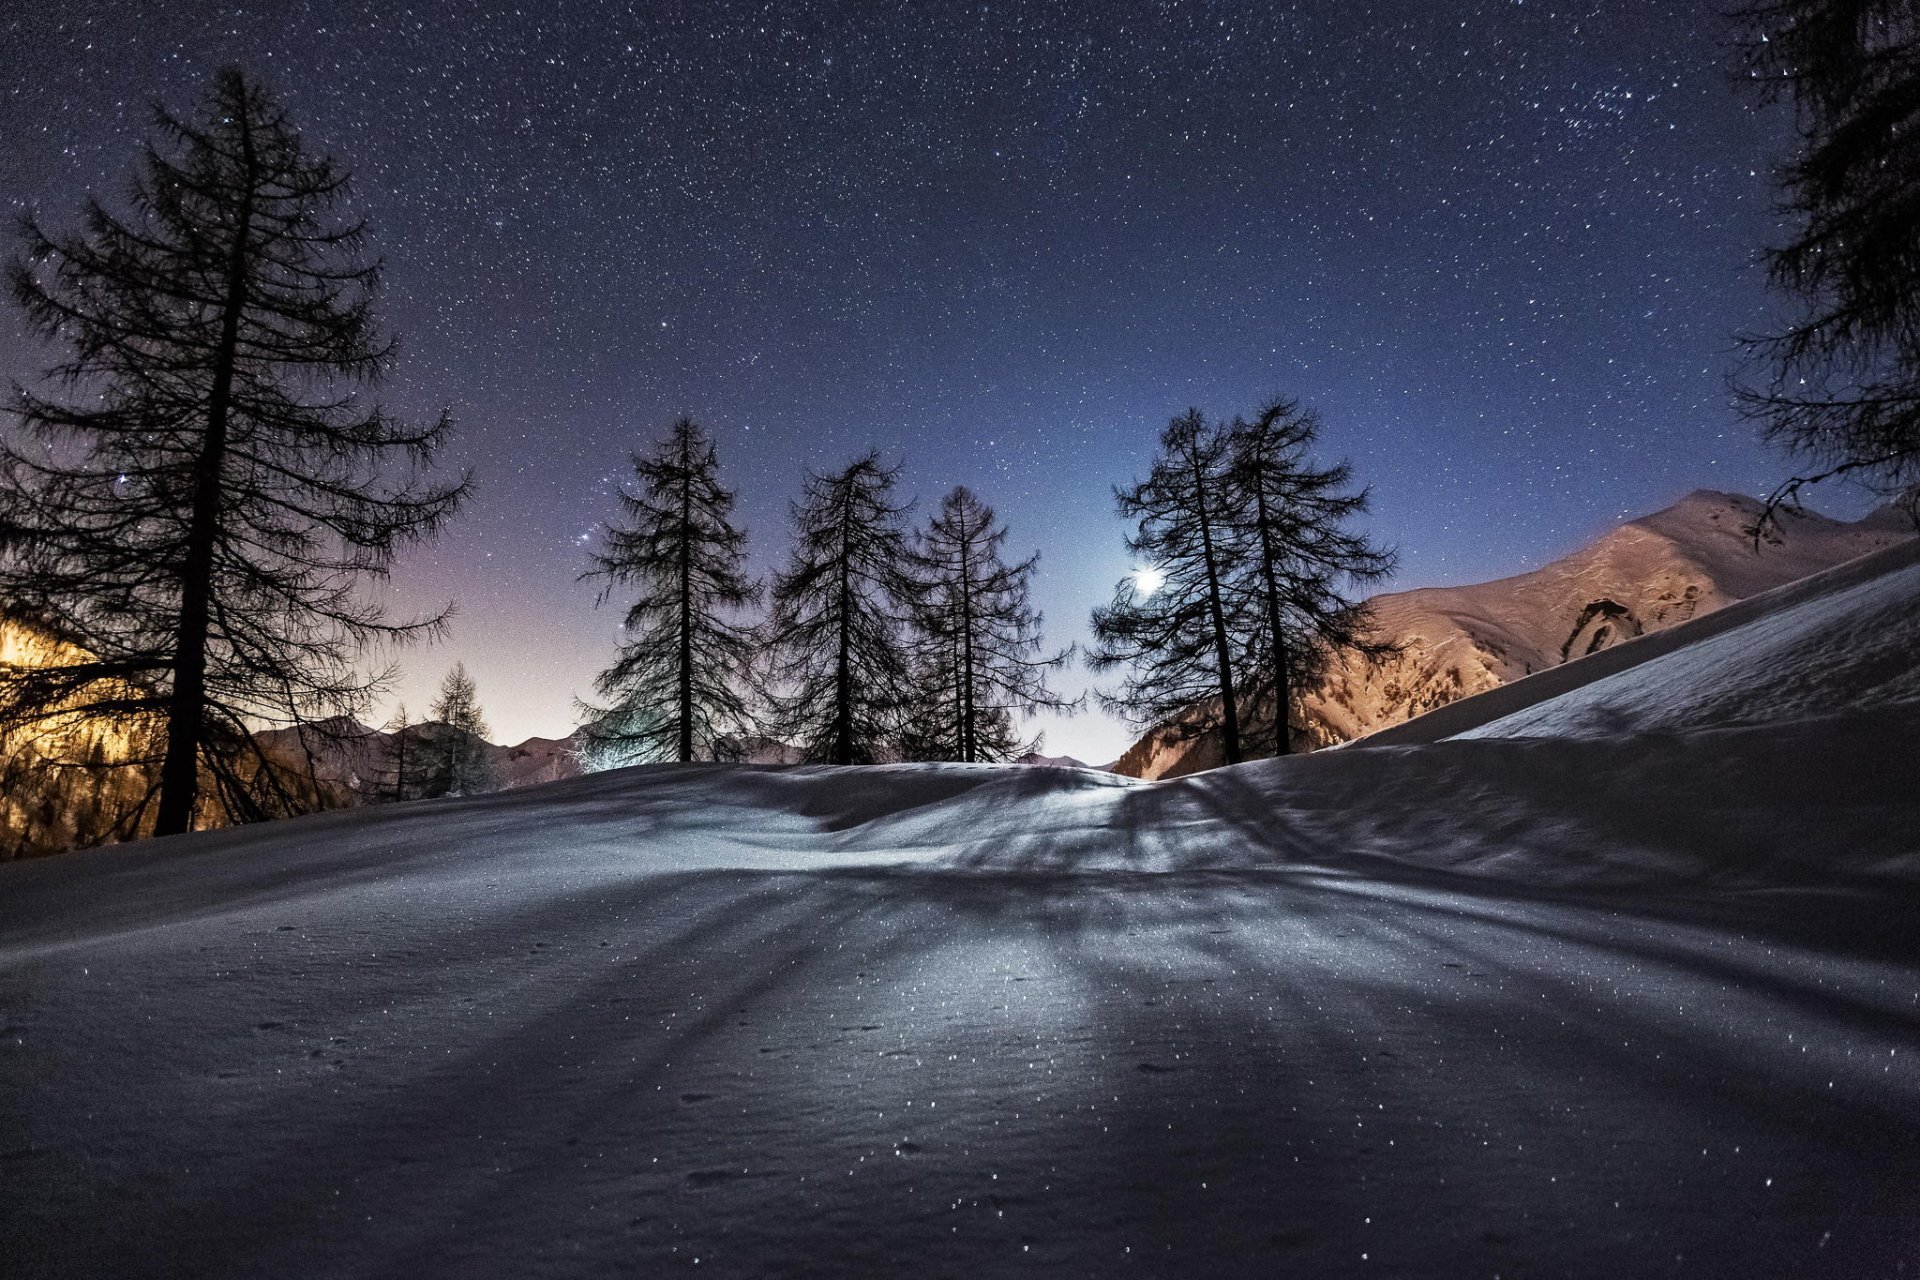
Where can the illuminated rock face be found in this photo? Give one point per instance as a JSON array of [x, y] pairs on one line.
[[1643, 577], [45, 809], [78, 777]]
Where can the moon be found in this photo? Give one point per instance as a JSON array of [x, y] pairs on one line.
[[1147, 580]]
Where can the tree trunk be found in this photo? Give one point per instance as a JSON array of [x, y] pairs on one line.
[[1282, 682], [968, 740], [686, 617], [843, 669], [187, 705], [1217, 615]]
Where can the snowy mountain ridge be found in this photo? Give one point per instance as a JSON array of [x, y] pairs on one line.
[[1642, 577]]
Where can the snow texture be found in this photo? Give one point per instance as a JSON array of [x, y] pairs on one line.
[[1617, 978]]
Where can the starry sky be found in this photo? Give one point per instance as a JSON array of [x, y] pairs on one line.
[[1503, 247]]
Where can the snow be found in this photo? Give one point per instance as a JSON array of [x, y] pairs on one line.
[[1616, 977], [1840, 640], [1647, 575]]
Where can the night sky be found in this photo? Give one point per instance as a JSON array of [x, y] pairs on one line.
[[1503, 247]]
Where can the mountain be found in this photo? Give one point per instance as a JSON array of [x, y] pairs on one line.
[[357, 761], [1645, 576], [1052, 762]]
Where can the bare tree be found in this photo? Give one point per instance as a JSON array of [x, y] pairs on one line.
[[1176, 640], [839, 616], [204, 506], [1840, 387], [978, 637], [1293, 561], [460, 763], [680, 680], [403, 765]]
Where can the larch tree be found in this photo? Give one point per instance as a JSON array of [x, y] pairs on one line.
[[841, 689], [461, 765], [681, 677], [978, 636], [1840, 386], [1176, 640], [1293, 561], [208, 493], [403, 766]]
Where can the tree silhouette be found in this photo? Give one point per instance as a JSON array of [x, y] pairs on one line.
[[403, 768], [680, 679], [1176, 640], [1291, 559], [839, 614], [204, 508], [1841, 385], [978, 639], [461, 765]]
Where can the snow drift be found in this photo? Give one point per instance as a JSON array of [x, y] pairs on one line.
[[1611, 972]]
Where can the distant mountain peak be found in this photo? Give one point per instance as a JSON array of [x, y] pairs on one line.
[[1643, 575], [1037, 760]]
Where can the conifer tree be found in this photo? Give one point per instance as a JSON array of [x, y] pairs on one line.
[[1291, 561], [1176, 641], [978, 638], [1840, 386], [404, 768], [837, 631], [461, 764], [680, 679], [204, 506]]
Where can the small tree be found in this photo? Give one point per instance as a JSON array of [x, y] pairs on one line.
[[1176, 640], [204, 508], [837, 631], [461, 763], [1841, 386], [680, 678], [403, 769], [1292, 559], [978, 639]]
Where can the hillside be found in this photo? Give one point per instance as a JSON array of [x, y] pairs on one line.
[[1649, 574], [1617, 981], [357, 761]]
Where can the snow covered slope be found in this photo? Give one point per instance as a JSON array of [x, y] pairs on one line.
[[1623, 981], [1843, 640], [1643, 577]]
